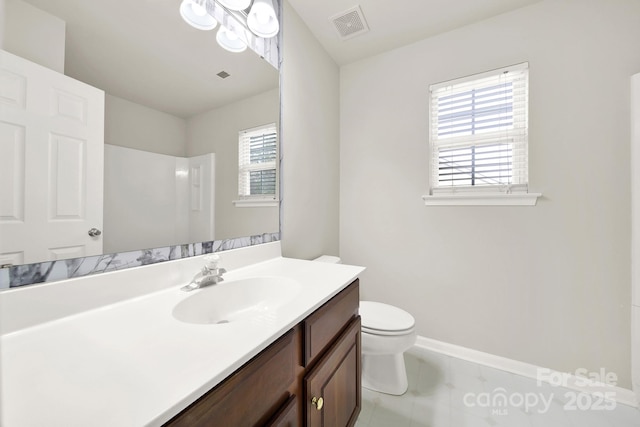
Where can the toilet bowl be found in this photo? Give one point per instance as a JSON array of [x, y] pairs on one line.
[[387, 332]]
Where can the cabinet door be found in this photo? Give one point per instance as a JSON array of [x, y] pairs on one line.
[[332, 387]]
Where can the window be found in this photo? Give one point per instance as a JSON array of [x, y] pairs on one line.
[[258, 166], [479, 134]]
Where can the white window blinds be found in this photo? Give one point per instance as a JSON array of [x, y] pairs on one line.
[[258, 155], [478, 132]]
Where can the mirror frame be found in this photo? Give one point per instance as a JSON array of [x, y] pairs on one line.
[[16, 276]]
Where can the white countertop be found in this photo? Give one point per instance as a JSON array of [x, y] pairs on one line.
[[133, 364]]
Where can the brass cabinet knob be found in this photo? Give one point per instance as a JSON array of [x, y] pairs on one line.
[[318, 402]]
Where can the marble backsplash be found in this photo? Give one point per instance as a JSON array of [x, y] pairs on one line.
[[51, 271]]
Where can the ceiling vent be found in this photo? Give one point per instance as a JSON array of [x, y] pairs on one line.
[[350, 23]]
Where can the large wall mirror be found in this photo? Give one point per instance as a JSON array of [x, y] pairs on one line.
[[173, 98]]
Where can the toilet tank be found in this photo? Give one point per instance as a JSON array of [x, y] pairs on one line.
[[329, 258]]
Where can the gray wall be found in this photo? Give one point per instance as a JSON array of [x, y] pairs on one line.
[[33, 34], [132, 125], [3, 24], [217, 131], [635, 232], [310, 135], [548, 285]]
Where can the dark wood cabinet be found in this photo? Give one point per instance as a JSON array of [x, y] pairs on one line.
[[332, 387], [320, 357], [324, 325], [287, 416], [250, 396]]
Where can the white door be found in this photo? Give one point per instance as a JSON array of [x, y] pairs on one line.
[[51, 164]]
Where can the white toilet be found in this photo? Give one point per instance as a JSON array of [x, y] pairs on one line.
[[387, 332]]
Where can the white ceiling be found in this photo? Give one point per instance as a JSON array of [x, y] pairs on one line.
[[143, 51], [394, 23]]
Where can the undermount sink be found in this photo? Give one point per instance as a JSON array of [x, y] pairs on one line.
[[234, 300]]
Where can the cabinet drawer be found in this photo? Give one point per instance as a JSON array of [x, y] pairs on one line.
[[324, 325], [287, 416], [251, 395]]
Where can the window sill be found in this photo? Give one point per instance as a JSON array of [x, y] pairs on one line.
[[495, 199], [266, 203]]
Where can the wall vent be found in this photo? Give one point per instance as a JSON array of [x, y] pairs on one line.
[[350, 23]]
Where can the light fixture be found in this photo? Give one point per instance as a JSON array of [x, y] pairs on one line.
[[235, 4], [262, 19], [243, 23], [194, 12], [230, 41]]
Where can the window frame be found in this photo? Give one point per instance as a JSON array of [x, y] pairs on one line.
[[245, 167], [515, 137]]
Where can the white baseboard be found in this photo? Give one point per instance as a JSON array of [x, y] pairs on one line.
[[622, 395]]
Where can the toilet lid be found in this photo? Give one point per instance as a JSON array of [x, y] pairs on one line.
[[377, 316]]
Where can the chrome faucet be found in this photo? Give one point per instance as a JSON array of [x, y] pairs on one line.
[[210, 274]]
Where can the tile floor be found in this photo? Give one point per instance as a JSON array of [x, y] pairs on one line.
[[449, 392]]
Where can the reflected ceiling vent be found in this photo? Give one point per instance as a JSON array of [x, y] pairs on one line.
[[350, 23], [223, 74]]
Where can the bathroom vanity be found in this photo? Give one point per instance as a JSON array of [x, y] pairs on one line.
[[308, 377], [117, 349]]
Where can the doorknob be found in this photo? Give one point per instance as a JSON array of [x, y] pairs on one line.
[[94, 232], [318, 402]]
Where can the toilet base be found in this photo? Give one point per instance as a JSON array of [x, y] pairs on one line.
[[384, 373]]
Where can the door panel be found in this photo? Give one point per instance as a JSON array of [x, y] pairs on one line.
[[13, 89], [12, 171], [66, 178], [67, 252]]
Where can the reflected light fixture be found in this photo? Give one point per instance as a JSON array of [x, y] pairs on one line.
[[239, 27], [235, 4], [230, 41], [262, 19], [194, 12]]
